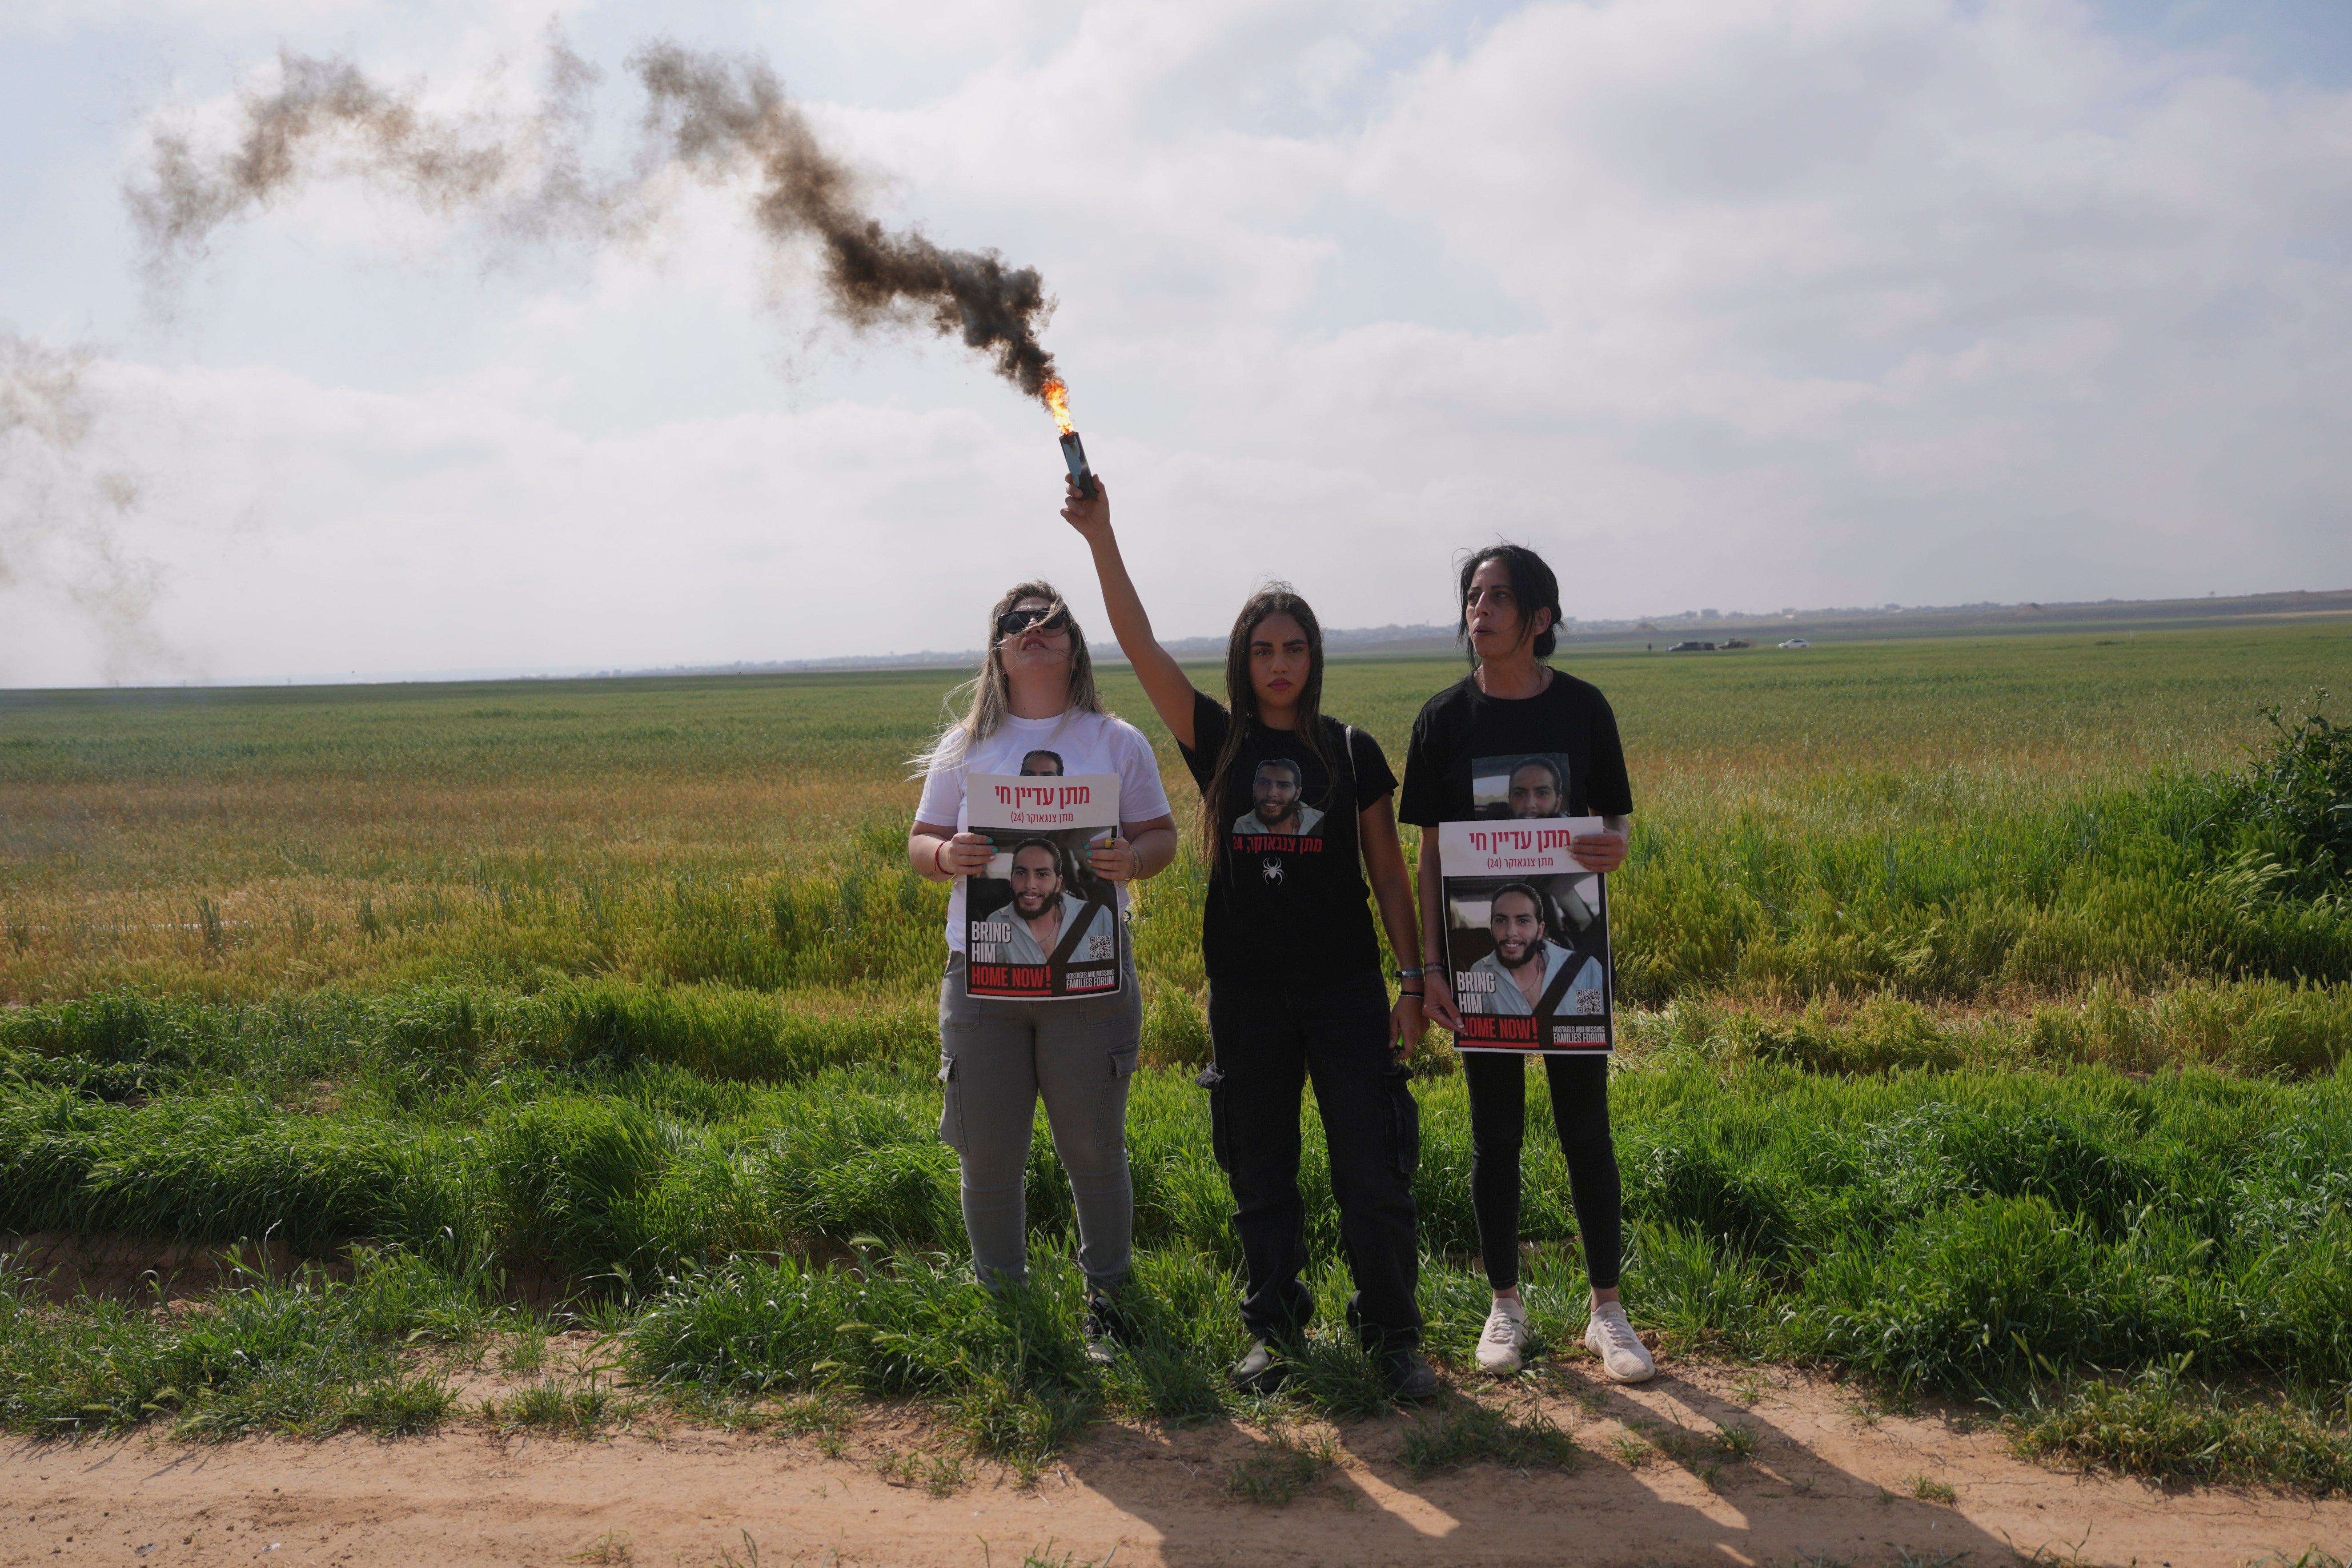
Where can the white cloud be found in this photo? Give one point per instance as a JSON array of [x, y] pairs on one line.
[[1809, 301], [314, 18]]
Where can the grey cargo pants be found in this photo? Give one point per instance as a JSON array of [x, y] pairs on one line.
[[996, 1058]]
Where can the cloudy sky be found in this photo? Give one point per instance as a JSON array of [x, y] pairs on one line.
[[1729, 303]]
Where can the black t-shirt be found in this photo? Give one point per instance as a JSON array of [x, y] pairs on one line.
[[1289, 900], [1552, 754]]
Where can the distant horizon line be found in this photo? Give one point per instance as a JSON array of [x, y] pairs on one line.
[[1393, 639]]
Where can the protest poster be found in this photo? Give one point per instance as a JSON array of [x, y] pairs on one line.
[[1040, 924], [1526, 937]]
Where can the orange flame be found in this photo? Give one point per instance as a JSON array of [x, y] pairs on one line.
[[1058, 402]]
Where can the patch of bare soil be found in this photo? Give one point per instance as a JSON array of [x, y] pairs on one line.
[[1822, 1480]]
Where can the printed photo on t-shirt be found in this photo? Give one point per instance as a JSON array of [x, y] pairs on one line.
[[1278, 798], [1527, 938], [1293, 900], [1042, 764], [1520, 786]]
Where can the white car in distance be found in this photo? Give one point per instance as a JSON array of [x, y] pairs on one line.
[[1796, 642]]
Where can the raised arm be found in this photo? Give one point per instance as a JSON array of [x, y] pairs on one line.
[[1171, 693]]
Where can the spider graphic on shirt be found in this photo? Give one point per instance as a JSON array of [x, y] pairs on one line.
[[1271, 867]]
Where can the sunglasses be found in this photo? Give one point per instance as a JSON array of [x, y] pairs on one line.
[[1012, 623]]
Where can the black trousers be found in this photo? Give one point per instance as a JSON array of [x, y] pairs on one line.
[[1498, 1121], [1269, 1041]]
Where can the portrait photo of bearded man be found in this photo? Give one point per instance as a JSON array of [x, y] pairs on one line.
[[1044, 913], [1278, 792], [1526, 961], [1537, 788]]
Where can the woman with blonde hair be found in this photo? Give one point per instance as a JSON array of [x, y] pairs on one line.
[[1035, 695]]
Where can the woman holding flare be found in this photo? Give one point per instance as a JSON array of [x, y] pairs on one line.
[[1295, 811]]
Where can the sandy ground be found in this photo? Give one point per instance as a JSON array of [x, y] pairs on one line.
[[1826, 1483]]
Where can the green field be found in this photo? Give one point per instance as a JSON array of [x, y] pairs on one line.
[[1988, 1003]]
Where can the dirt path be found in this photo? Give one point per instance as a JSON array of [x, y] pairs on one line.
[[1821, 1483]]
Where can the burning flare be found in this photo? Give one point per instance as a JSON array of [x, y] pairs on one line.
[[1057, 394]]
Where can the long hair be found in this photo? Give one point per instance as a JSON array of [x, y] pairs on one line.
[[987, 698], [1275, 598], [1533, 585]]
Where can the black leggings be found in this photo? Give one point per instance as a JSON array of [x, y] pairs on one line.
[[1498, 1120], [1271, 1041]]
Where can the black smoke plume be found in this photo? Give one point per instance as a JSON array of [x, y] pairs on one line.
[[715, 117], [69, 502]]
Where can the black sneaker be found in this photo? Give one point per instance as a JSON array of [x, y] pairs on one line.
[[1105, 1330], [1261, 1371], [1409, 1378]]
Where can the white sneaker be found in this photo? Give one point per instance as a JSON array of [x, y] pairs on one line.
[[1506, 1332], [1612, 1339]]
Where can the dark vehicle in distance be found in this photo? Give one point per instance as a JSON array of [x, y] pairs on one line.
[[1692, 647]]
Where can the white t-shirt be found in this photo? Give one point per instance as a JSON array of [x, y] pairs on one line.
[[1087, 743]]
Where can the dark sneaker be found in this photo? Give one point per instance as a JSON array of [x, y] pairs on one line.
[[1409, 1378], [1105, 1331], [1261, 1371]]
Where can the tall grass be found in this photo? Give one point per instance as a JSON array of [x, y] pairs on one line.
[[2257, 1028], [305, 1355], [2166, 1425], [1954, 1230], [1952, 899], [1959, 821]]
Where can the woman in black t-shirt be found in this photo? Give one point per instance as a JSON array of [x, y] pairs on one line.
[[1554, 740], [1294, 810]]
